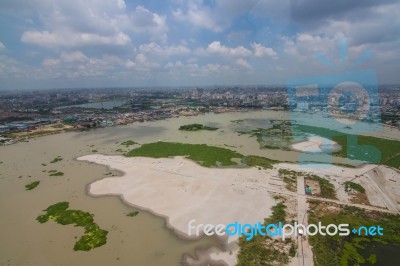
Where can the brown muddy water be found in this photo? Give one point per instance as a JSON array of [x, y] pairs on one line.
[[139, 240]]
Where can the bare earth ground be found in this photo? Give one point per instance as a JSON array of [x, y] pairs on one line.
[[182, 190]]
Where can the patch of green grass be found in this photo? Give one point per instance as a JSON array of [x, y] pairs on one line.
[[289, 178], [32, 185], [203, 154], [132, 214], [94, 150], [55, 173], [278, 214], [128, 143], [349, 186], [255, 161], [327, 189], [260, 250], [360, 147], [93, 237], [9, 135], [208, 156], [352, 249], [196, 127], [57, 159]]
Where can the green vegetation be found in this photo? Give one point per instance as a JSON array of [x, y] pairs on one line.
[[201, 153], [57, 159], [237, 121], [327, 189], [263, 162], [94, 150], [289, 178], [278, 214], [128, 143], [208, 156], [55, 173], [93, 237], [9, 135], [132, 214], [360, 147], [349, 186], [32, 185], [279, 136], [357, 193], [58, 126], [352, 249], [354, 147], [196, 127], [261, 250]]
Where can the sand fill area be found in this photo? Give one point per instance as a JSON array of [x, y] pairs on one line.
[[181, 190]]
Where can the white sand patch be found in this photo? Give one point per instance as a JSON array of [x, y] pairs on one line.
[[181, 190], [316, 144]]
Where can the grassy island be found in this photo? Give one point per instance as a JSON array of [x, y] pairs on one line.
[[208, 156], [128, 143], [132, 214], [93, 237], [354, 147], [32, 185], [56, 160], [196, 127], [365, 148], [201, 153], [55, 173]]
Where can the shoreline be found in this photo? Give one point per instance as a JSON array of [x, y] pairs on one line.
[[78, 130], [176, 216]]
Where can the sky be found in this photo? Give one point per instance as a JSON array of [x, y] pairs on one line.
[[117, 43]]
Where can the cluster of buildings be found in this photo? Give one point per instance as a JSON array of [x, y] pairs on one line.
[[28, 110]]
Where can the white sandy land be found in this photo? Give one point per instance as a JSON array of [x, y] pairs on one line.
[[181, 190], [315, 144]]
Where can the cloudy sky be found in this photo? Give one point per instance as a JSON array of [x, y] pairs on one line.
[[117, 43]]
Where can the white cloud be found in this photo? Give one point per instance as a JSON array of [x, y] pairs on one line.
[[130, 64], [261, 51], [155, 49], [198, 15], [145, 63], [75, 23], [216, 48], [76, 56], [50, 62], [73, 39], [2, 46], [121, 4], [243, 63], [145, 21], [217, 17], [305, 46]]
